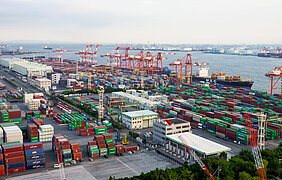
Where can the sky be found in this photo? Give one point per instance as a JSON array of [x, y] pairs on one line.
[[142, 21]]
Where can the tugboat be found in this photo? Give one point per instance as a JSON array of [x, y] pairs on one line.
[[221, 78]]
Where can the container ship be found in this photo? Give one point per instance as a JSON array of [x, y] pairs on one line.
[[221, 78], [47, 48]]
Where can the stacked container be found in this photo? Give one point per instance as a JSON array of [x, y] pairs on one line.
[[32, 132], [2, 166], [120, 149], [76, 152], [100, 130], [4, 116], [36, 114], [110, 144], [34, 154], [28, 116], [92, 149], [13, 134], [61, 146], [86, 132], [1, 135], [46, 133], [15, 115], [14, 157]]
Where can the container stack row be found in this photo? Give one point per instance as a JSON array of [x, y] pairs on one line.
[[34, 154]]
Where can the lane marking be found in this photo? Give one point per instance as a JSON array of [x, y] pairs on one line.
[[128, 167]]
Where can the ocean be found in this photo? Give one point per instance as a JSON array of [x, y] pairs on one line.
[[246, 66]]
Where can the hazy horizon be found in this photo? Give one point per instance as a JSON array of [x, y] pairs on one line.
[[139, 22]]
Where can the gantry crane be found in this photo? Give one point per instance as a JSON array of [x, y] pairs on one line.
[[101, 102], [275, 77], [89, 55], [183, 69], [60, 54], [253, 134], [190, 151]]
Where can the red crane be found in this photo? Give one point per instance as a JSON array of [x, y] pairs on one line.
[[120, 60], [275, 77], [183, 68], [253, 136], [60, 54], [191, 152]]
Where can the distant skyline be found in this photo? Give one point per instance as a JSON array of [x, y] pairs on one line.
[[140, 21]]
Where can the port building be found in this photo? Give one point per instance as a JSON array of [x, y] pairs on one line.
[[25, 67], [139, 119], [203, 147], [161, 128], [141, 102], [43, 83]]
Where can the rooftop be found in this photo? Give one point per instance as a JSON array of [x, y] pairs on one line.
[[140, 99], [42, 79], [134, 114], [199, 144]]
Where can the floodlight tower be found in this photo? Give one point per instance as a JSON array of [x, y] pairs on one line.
[[101, 91]]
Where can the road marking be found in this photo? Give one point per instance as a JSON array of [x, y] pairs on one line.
[[128, 167]]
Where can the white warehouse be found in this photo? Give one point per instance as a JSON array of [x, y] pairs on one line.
[[139, 119], [25, 67]]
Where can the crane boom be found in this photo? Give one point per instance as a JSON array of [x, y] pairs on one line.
[[255, 148]]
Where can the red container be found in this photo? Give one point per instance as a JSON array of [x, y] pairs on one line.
[[64, 141], [65, 146], [77, 156], [14, 160], [120, 148], [102, 146], [231, 134], [13, 154], [92, 143], [13, 149], [94, 155], [1, 156], [100, 142], [76, 150], [14, 114], [108, 136], [75, 146], [19, 169], [98, 137], [220, 129], [131, 148], [33, 146], [38, 122], [87, 134], [111, 145], [2, 169]]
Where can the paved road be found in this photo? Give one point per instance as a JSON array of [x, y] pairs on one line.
[[9, 74]]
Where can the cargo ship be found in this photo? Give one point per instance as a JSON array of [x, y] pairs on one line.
[[47, 48], [221, 78]]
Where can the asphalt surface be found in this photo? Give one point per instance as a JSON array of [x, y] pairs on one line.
[[8, 74]]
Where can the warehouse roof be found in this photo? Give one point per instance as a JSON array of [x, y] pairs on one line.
[[42, 79], [199, 144], [134, 114], [136, 98]]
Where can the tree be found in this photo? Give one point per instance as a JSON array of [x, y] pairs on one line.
[[223, 155], [246, 176]]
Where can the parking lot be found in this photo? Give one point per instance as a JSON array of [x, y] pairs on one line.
[[101, 168]]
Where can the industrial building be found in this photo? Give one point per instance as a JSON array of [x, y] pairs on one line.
[[139, 119], [43, 83], [203, 147], [161, 128], [141, 102], [55, 77], [25, 67]]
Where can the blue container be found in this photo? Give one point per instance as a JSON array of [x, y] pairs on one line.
[[15, 165], [35, 166], [34, 151], [1, 161], [35, 162], [67, 156], [32, 157]]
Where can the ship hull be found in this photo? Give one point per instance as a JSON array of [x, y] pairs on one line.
[[245, 84]]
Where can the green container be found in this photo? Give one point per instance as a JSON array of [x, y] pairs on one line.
[[112, 151], [66, 151], [109, 141], [103, 151], [67, 160]]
